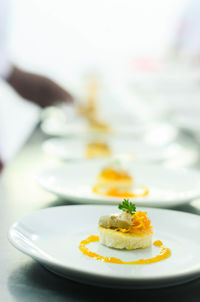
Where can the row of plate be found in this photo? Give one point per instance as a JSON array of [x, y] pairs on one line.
[[168, 187], [185, 117], [74, 178], [52, 236]]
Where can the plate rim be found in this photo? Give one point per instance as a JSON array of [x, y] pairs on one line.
[[67, 158], [102, 199], [187, 276]]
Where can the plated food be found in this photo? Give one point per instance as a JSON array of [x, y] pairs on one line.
[[88, 109], [97, 149], [121, 147], [168, 187], [90, 112], [116, 181], [128, 230], [55, 246], [99, 126]]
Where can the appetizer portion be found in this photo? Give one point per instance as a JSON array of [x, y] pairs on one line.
[[129, 229], [97, 149], [89, 109], [115, 181], [98, 125], [115, 177]]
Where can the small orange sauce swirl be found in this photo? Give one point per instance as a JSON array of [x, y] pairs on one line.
[[116, 193], [164, 253]]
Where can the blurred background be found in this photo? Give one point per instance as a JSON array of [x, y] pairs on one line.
[[66, 39], [145, 55]]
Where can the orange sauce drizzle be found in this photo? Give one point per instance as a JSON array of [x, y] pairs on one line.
[[116, 193], [164, 253]]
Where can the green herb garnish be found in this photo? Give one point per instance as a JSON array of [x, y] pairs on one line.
[[127, 206], [117, 161]]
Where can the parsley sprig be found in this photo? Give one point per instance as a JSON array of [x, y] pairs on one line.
[[127, 206]]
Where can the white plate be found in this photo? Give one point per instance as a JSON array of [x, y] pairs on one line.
[[168, 187], [58, 127], [187, 117], [52, 237], [160, 132], [71, 149]]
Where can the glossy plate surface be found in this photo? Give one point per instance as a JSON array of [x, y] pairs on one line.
[[167, 186], [52, 237], [157, 132], [75, 149]]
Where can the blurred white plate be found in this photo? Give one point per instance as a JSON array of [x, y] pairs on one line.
[[168, 187], [60, 128], [63, 121], [161, 134], [55, 127], [187, 118], [52, 237], [72, 149], [58, 124]]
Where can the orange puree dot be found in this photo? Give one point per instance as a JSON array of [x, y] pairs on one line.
[[158, 243]]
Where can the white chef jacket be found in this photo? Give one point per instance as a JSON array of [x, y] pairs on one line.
[[5, 66], [17, 117]]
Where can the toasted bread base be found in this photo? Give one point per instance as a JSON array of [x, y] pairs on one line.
[[128, 241], [121, 185]]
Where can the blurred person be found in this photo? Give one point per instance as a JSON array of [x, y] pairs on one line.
[[37, 88], [33, 87], [30, 86]]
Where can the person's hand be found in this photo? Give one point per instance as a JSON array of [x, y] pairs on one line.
[[37, 88]]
